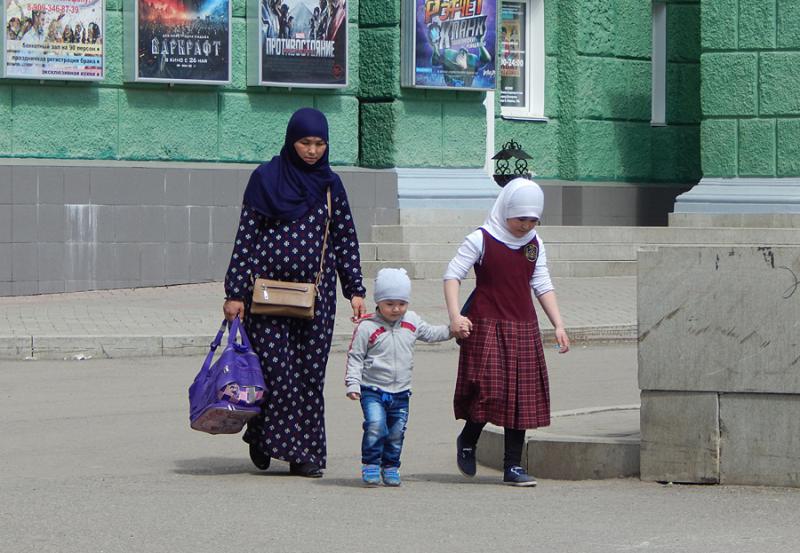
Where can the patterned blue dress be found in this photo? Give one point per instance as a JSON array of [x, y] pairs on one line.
[[294, 352]]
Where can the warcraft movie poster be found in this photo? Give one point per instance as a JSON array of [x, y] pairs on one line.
[[455, 44], [53, 39], [303, 42], [184, 40]]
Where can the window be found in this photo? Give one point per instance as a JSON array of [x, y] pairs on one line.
[[522, 59], [658, 115]]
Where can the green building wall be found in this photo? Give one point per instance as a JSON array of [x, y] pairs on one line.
[[598, 95], [405, 127], [125, 121], [750, 77]]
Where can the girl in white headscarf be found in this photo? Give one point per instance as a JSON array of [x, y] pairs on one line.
[[502, 375]]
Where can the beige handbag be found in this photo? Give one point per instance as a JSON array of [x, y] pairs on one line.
[[290, 299]]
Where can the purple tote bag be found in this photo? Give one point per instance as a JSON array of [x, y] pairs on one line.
[[227, 393]]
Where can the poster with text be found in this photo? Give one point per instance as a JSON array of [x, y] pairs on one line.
[[303, 43], [183, 41], [512, 55], [455, 44], [53, 39]]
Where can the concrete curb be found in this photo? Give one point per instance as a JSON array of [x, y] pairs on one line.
[[569, 456], [118, 346]]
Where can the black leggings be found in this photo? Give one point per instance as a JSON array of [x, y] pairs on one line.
[[514, 439]]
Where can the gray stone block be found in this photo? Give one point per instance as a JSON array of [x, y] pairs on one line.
[[150, 186], [228, 189], [680, 437], [127, 186], [52, 223], [224, 224], [721, 326], [6, 259], [24, 287], [200, 262], [79, 285], [759, 439], [15, 347], [386, 191], [24, 185], [220, 259], [52, 287], [51, 185], [176, 222], [128, 221], [200, 224], [153, 224], [105, 186], [51, 261], [577, 458], [24, 263], [153, 262], [81, 222], [177, 264], [201, 188], [105, 224], [80, 260], [77, 185], [128, 269], [5, 185], [24, 223], [5, 223], [6, 289], [176, 187], [360, 188]]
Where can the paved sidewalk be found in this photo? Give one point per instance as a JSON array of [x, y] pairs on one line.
[[180, 320]]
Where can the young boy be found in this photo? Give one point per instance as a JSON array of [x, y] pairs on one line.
[[379, 365]]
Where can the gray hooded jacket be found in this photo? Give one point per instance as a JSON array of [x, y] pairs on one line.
[[381, 353]]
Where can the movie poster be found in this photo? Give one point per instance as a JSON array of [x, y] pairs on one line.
[[303, 43], [183, 41], [455, 44], [53, 39], [512, 55]]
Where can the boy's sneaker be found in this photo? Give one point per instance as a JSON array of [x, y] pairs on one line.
[[516, 476], [465, 459], [391, 476], [371, 475]]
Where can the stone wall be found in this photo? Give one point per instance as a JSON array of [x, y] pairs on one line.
[[74, 226], [719, 364]]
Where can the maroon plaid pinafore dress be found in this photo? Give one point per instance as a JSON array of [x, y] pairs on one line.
[[502, 375]]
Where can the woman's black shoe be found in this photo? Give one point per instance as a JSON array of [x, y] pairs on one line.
[[260, 459], [307, 470]]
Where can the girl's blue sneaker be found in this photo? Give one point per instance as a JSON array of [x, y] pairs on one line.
[[371, 475], [391, 476]]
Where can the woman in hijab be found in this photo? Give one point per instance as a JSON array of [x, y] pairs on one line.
[[281, 230]]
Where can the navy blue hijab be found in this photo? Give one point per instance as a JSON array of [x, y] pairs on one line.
[[287, 187]]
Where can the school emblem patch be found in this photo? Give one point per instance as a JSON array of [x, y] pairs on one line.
[[531, 252]]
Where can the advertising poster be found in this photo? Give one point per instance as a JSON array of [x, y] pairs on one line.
[[303, 43], [183, 41], [53, 39], [455, 44], [512, 55]]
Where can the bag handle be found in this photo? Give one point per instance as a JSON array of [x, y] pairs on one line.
[[237, 328], [324, 245]]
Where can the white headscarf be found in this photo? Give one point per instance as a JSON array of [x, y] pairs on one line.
[[519, 198]]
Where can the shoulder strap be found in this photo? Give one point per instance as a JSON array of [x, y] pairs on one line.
[[324, 244]]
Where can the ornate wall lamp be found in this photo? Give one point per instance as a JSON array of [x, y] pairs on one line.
[[503, 159]]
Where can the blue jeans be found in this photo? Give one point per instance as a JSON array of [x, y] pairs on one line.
[[385, 418]]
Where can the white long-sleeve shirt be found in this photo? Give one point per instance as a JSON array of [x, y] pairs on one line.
[[471, 252]]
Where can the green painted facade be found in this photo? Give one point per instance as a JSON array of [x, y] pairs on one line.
[[733, 69], [598, 95], [750, 73]]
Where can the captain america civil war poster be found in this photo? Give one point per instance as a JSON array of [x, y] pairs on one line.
[[184, 40], [303, 43]]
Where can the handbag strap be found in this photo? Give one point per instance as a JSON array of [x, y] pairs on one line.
[[324, 245]]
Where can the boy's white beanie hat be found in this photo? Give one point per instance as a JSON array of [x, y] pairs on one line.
[[392, 284]]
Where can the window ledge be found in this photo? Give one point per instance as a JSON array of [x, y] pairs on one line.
[[536, 118]]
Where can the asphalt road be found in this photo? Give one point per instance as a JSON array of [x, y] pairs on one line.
[[97, 456]]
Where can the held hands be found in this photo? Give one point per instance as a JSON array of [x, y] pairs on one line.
[[354, 396], [460, 327], [233, 309], [357, 302]]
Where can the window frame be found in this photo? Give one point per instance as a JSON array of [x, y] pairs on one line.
[[658, 93], [534, 65]]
